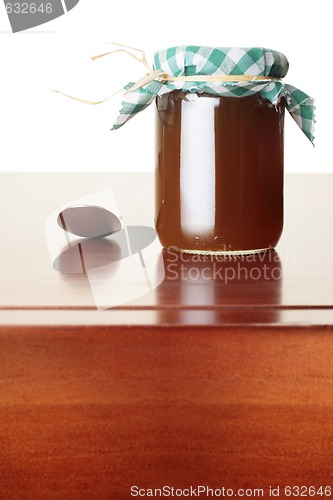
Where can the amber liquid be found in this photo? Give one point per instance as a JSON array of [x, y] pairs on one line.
[[219, 174]]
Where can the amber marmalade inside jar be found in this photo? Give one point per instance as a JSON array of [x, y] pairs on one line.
[[219, 175]]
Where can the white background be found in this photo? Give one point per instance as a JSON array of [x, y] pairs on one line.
[[44, 131]]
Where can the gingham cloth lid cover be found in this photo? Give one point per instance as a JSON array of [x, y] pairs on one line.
[[193, 60]]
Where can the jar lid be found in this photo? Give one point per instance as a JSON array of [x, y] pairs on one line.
[[219, 71], [189, 60]]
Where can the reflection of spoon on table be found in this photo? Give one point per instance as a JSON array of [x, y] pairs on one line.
[[86, 254], [94, 222], [89, 221]]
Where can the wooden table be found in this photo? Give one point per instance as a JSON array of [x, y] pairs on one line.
[[199, 382]]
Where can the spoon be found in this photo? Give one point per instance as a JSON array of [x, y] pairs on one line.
[[88, 221]]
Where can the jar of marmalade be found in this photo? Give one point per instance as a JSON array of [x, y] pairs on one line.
[[219, 173]]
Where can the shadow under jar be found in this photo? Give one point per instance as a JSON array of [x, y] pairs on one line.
[[219, 173]]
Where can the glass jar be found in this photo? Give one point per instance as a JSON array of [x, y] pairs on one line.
[[219, 173]]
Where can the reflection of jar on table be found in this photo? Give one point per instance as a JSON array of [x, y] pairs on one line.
[[211, 289]]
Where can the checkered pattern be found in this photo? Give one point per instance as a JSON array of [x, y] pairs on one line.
[[219, 61]]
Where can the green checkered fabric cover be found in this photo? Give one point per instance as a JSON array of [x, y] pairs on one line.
[[219, 61]]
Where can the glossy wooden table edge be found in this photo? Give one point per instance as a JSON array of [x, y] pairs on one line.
[[218, 315], [268, 319], [166, 307], [76, 328]]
